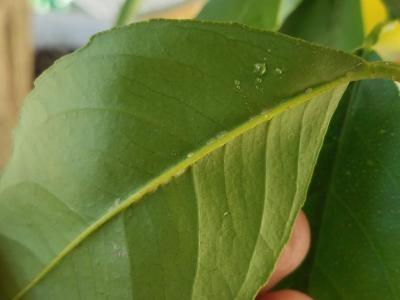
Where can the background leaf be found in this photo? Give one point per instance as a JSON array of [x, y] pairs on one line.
[[353, 201], [127, 12], [336, 23], [393, 8], [264, 14], [106, 131]]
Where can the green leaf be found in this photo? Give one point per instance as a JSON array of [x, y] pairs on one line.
[[157, 162], [353, 203], [127, 12], [335, 23], [264, 14], [393, 7]]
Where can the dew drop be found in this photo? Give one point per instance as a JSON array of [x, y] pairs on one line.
[[189, 155], [237, 84], [278, 71], [269, 50], [259, 80], [180, 172], [225, 214], [260, 68], [221, 134]]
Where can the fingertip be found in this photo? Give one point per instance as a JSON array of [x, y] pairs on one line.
[[294, 252], [284, 295]]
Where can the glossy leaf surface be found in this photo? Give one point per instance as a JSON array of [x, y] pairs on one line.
[[151, 165]]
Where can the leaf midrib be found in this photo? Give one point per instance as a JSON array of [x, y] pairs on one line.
[[372, 70]]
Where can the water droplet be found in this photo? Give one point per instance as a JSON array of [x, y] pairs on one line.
[[259, 80], [180, 172], [225, 214], [260, 68], [269, 50], [189, 155], [278, 71], [221, 134], [309, 90], [237, 84], [210, 141]]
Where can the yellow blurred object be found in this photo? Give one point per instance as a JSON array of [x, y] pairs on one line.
[[389, 42], [374, 12]]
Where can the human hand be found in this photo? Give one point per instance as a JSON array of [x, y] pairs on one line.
[[292, 256]]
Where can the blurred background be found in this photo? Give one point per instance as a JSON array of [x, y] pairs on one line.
[[34, 33]]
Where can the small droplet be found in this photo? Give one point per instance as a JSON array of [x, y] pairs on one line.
[[260, 68], [237, 84], [278, 71], [180, 173], [221, 134], [259, 80], [269, 50], [225, 214], [189, 155]]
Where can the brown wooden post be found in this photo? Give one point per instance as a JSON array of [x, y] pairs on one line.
[[16, 67]]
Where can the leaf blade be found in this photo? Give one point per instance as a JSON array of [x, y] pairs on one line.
[[96, 196]]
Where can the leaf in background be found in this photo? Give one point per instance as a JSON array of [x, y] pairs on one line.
[[353, 203], [127, 12], [264, 14], [393, 7], [335, 23], [144, 165]]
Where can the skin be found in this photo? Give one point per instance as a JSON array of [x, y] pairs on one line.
[[291, 257]]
